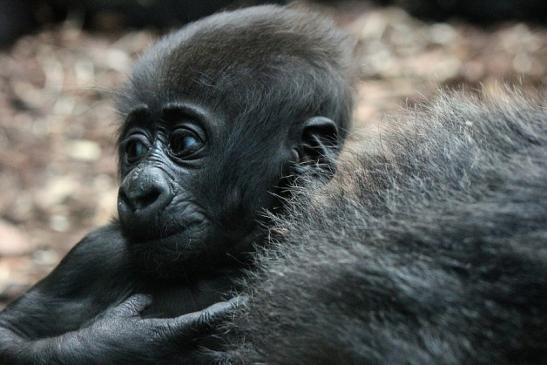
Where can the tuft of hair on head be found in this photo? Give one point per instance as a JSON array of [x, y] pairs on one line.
[[268, 61]]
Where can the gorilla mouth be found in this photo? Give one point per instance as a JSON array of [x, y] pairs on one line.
[[182, 222], [177, 234], [187, 232]]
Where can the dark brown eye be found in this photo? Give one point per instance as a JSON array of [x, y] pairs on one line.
[[135, 149], [184, 143]]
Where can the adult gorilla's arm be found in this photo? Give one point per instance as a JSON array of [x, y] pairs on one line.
[[58, 320]]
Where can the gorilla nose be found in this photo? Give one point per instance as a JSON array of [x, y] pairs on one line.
[[143, 193], [141, 197]]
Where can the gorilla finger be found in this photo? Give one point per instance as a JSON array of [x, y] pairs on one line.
[[217, 312], [239, 301], [206, 318]]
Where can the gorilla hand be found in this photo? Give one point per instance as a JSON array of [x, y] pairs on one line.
[[122, 336]]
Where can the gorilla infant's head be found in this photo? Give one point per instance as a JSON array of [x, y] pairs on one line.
[[220, 117]]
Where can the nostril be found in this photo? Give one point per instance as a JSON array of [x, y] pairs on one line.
[[147, 198]]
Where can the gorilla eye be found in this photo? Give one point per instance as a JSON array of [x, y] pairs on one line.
[[135, 149], [184, 143]]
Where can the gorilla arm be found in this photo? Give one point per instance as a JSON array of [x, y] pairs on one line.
[[81, 313]]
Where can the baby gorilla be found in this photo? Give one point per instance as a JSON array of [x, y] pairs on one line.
[[219, 119]]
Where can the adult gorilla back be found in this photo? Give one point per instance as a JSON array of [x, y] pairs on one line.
[[431, 247]]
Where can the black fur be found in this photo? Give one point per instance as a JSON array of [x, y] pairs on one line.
[[261, 63], [430, 247]]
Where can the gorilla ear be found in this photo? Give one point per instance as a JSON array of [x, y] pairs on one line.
[[319, 144]]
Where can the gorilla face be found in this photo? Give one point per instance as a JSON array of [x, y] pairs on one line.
[[193, 183]]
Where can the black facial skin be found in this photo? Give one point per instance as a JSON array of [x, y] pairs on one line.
[[219, 119]]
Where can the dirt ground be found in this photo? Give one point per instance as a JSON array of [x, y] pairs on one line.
[[57, 122]]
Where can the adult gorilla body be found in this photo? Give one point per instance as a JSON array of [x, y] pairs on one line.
[[429, 249], [219, 118]]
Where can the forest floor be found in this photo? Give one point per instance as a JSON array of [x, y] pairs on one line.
[[58, 125]]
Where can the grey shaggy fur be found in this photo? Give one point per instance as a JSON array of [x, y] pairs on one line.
[[429, 248]]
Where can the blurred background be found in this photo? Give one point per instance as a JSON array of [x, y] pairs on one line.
[[61, 61]]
